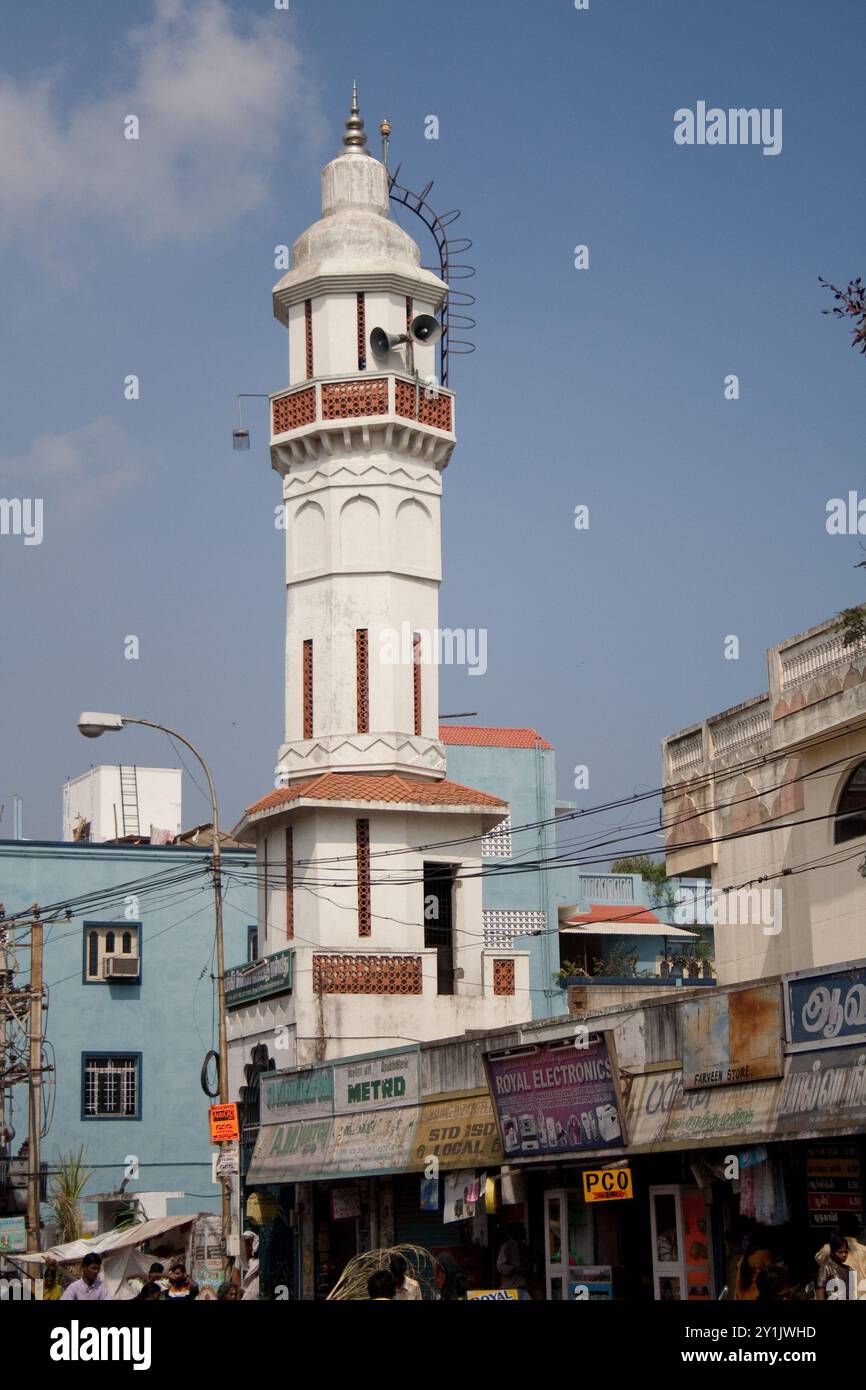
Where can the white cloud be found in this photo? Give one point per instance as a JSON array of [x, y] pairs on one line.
[[76, 473], [221, 112]]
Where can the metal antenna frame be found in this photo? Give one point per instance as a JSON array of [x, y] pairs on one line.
[[448, 269]]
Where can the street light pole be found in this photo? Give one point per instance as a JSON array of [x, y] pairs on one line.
[[91, 726]]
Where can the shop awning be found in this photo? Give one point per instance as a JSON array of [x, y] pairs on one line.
[[626, 929], [109, 1242], [458, 1127]]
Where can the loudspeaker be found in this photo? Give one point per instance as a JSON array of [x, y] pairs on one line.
[[382, 342], [425, 329]]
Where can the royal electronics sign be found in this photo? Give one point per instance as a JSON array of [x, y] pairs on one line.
[[380, 1082], [273, 975], [556, 1098], [825, 1010]]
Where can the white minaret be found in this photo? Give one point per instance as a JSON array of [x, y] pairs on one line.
[[369, 859], [360, 441]]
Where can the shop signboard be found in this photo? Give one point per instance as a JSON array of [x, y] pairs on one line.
[[224, 1123], [259, 979], [825, 1010], [379, 1082], [290, 1152], [822, 1093], [457, 1130], [13, 1234], [305, 1094], [206, 1259], [555, 1098], [375, 1141], [833, 1183], [607, 1184], [495, 1295], [732, 1038], [662, 1114]]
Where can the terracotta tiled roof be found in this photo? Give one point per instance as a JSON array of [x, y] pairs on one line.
[[604, 912], [377, 786], [476, 736]]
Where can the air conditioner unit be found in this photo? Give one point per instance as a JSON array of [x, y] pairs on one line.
[[121, 968]]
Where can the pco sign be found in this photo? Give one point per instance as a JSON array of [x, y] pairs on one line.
[[607, 1184]]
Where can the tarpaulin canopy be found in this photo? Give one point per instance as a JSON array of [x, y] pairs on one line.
[[110, 1242]]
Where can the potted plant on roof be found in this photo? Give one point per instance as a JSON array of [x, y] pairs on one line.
[[568, 972]]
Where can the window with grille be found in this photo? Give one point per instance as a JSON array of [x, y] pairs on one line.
[[850, 821], [112, 1086], [290, 883], [362, 836], [362, 680], [416, 679], [502, 926], [113, 943], [496, 844], [308, 688]]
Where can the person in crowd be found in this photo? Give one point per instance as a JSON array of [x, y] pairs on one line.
[[836, 1277], [405, 1286], [180, 1286], [755, 1257], [229, 1291], [450, 1280], [90, 1287], [512, 1262], [51, 1290], [155, 1275], [849, 1227], [380, 1286], [149, 1292]]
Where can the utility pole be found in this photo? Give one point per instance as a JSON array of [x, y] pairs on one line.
[[34, 1108]]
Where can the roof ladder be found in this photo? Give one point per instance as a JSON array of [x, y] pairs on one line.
[[129, 801]]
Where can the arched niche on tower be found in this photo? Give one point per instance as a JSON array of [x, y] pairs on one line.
[[414, 535], [360, 539], [309, 538]]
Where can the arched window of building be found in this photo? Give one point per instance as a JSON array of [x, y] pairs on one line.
[[851, 811], [127, 943], [109, 943], [93, 954]]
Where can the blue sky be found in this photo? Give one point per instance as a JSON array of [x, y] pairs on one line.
[[602, 387]]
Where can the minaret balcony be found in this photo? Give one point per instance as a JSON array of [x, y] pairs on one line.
[[328, 413]]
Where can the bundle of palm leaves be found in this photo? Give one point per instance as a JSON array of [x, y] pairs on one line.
[[352, 1283]]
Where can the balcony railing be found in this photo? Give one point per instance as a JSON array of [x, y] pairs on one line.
[[363, 397]]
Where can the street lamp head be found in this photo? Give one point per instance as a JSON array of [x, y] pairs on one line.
[[240, 439], [91, 725]]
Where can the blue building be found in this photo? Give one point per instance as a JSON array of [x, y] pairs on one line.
[[564, 914], [131, 1009], [521, 897]]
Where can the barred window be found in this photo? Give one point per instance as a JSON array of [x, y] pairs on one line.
[[502, 926], [496, 844], [111, 1087]]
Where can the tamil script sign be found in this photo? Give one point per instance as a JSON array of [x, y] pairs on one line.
[[379, 1082], [13, 1234], [826, 1010], [823, 1094], [296, 1095], [258, 979], [552, 1098], [732, 1038]]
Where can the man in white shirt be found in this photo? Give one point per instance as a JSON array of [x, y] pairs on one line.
[[89, 1287], [406, 1287]]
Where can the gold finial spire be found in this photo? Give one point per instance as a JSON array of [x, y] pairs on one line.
[[354, 138]]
